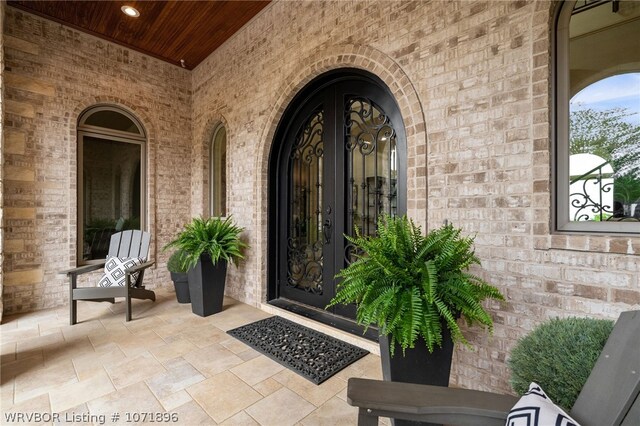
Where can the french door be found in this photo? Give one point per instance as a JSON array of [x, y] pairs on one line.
[[342, 165]]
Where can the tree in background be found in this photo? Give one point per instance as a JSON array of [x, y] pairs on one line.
[[610, 134]]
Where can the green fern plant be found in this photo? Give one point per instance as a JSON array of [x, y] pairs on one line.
[[410, 285], [217, 237]]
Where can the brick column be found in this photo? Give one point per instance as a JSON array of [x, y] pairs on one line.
[[2, 6]]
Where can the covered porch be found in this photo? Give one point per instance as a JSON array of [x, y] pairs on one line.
[[477, 100]]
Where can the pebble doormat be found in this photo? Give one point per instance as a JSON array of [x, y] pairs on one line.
[[313, 355]]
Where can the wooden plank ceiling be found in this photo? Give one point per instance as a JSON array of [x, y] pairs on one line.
[[167, 30]]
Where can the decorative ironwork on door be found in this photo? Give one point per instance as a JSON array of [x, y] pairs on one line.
[[306, 236], [339, 164], [372, 168]]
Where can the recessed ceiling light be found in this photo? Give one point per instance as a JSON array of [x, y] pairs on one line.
[[130, 11]]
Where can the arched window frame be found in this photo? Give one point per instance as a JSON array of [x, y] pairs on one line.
[[140, 139], [213, 159], [141, 135], [560, 135]]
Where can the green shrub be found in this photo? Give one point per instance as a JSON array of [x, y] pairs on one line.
[[175, 263], [559, 356]]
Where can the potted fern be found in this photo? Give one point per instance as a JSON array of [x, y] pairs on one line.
[[179, 276], [208, 245], [414, 288]]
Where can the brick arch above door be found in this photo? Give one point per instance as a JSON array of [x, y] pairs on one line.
[[401, 87]]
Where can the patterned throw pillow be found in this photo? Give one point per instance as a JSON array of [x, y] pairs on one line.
[[114, 268], [536, 409]]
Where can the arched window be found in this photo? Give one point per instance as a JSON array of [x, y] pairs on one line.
[[111, 178], [598, 117], [218, 172]]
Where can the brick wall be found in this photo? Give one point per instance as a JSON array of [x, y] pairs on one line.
[[2, 8], [472, 82], [52, 74]]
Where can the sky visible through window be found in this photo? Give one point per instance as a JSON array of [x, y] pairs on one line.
[[619, 91], [600, 134]]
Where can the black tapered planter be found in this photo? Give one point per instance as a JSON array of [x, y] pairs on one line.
[[206, 286], [417, 365], [181, 284]]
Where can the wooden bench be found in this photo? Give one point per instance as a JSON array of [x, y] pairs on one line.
[[608, 398]]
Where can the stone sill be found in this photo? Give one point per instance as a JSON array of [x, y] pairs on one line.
[[629, 245]]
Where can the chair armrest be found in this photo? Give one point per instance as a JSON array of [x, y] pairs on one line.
[[428, 403], [83, 269], [139, 267]]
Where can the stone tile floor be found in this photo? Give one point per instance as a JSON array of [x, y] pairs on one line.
[[167, 360]]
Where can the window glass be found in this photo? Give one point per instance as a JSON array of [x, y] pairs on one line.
[[598, 142], [604, 150], [218, 173], [111, 196], [111, 180], [112, 120]]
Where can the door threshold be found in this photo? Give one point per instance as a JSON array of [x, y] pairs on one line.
[[324, 317]]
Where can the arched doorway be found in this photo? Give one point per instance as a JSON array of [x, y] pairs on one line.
[[338, 162]]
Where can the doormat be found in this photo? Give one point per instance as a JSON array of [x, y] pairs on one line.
[[313, 355]]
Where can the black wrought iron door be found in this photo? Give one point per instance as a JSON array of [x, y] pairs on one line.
[[342, 167]]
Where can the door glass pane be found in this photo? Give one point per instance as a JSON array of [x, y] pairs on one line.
[[372, 169], [305, 242], [111, 192]]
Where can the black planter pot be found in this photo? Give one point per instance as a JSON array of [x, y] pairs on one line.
[[206, 286], [181, 284], [417, 365]]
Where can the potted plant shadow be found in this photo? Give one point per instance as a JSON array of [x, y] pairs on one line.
[[208, 246], [414, 288], [179, 276]]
